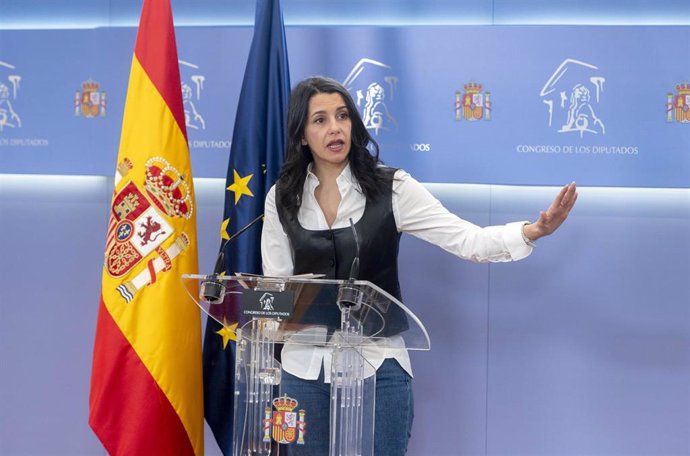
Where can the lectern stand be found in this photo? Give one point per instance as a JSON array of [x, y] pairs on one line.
[[341, 318]]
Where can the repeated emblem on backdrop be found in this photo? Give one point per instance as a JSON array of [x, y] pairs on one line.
[[373, 87], [90, 101], [139, 224], [473, 104], [572, 95], [284, 425], [192, 83], [678, 104], [9, 89]]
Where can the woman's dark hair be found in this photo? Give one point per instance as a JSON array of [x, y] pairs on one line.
[[363, 156]]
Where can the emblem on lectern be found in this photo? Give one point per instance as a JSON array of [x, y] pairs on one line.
[[283, 424]]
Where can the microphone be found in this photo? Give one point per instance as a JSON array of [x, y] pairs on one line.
[[212, 289], [354, 269], [349, 295]]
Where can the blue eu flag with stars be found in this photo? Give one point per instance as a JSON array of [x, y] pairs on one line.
[[256, 155]]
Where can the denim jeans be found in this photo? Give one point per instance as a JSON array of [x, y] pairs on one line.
[[393, 417]]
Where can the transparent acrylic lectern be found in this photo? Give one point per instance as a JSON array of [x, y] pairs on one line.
[[343, 319]]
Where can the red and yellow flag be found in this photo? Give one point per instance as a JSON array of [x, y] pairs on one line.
[[146, 385]]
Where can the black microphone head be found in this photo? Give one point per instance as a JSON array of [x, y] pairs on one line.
[[212, 291], [350, 296]]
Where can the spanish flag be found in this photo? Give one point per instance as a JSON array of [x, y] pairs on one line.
[[146, 385]]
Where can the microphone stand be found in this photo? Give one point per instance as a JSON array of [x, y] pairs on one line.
[[347, 370], [213, 289]]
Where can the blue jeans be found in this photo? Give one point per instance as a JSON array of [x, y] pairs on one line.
[[394, 411]]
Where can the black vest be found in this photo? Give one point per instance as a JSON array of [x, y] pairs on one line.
[[331, 252]]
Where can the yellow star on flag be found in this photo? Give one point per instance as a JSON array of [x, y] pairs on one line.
[[228, 334], [224, 229], [240, 186]]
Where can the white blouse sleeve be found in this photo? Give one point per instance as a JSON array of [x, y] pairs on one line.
[[276, 253], [419, 213]]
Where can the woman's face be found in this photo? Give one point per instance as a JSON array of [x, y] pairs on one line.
[[327, 130]]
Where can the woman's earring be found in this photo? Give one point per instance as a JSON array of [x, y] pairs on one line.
[[304, 142]]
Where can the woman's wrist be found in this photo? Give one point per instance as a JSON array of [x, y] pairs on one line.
[[530, 232]]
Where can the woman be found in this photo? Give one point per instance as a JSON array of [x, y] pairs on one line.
[[332, 175]]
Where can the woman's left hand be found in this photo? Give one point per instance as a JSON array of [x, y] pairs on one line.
[[554, 216]]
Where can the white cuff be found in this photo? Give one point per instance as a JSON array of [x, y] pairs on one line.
[[515, 242]]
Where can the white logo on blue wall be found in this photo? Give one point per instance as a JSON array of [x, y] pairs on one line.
[[572, 94], [192, 88], [9, 88], [373, 88]]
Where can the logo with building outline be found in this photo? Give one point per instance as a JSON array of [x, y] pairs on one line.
[[572, 96], [192, 86], [266, 301], [373, 86], [9, 91]]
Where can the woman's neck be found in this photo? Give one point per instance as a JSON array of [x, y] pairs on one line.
[[328, 173]]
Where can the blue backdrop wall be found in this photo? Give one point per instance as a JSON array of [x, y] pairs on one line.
[[583, 348], [511, 105]]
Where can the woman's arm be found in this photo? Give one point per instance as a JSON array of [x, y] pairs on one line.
[[419, 213], [276, 253]]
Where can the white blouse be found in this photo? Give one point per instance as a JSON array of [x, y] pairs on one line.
[[416, 212]]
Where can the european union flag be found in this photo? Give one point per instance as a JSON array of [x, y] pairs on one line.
[[256, 155]]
